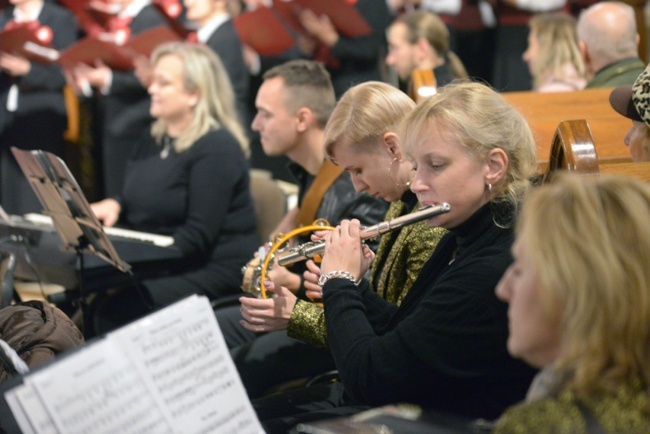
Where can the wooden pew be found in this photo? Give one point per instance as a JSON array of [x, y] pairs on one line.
[[573, 150], [544, 111], [640, 170]]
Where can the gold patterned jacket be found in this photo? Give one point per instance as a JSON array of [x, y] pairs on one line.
[[399, 259], [627, 411]]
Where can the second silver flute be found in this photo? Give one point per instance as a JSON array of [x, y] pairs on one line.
[[309, 250]]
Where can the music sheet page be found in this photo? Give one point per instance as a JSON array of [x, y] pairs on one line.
[[169, 372], [28, 410], [192, 375]]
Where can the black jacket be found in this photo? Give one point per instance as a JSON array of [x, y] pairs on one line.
[[341, 201]]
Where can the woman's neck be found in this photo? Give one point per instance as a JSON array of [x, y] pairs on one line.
[[176, 127]]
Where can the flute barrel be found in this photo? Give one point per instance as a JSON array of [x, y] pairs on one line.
[[309, 250]]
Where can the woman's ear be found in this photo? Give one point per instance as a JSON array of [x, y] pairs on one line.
[[424, 48], [497, 166], [194, 98], [392, 145]]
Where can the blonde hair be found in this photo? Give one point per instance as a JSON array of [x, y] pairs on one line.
[[364, 114], [204, 73], [427, 25], [477, 118], [557, 39], [593, 259]]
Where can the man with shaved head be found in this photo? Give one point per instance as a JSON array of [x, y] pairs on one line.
[[609, 44]]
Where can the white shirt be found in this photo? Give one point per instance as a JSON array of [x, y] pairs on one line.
[[540, 5], [204, 33]]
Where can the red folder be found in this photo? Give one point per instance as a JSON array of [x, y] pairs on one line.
[[288, 11], [263, 31], [23, 40], [119, 57], [86, 20], [168, 10], [345, 18], [145, 42], [91, 49]]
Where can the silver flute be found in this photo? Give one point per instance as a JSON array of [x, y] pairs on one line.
[[309, 250]]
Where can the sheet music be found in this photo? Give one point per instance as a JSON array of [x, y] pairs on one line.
[[170, 372], [185, 356], [98, 390], [29, 412]]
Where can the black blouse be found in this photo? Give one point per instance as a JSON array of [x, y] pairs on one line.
[[445, 346]]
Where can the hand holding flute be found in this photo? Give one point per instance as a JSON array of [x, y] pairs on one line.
[[309, 250], [345, 253], [347, 257]]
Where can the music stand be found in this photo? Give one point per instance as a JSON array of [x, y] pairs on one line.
[[64, 201]]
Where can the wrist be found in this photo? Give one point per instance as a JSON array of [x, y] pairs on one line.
[[336, 274], [294, 282]]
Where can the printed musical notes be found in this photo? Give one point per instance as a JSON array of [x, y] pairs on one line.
[[169, 372]]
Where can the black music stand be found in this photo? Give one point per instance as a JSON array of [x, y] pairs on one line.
[[63, 201]]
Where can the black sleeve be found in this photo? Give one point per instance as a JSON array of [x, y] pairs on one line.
[[455, 333], [212, 178]]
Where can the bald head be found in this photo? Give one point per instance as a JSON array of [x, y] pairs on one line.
[[607, 34]]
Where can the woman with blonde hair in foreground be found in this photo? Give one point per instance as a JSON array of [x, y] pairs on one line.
[[579, 295]]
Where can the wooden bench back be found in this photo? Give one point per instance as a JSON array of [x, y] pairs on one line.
[[573, 150], [544, 111], [639, 170]]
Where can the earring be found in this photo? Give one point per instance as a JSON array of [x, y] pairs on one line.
[[489, 186], [390, 174]]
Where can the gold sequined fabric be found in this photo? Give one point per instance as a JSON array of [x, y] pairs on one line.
[[401, 255], [627, 412], [399, 259], [307, 323]]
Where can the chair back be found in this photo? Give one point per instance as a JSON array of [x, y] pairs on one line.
[[270, 202]]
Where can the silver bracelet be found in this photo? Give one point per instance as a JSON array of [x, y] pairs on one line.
[[336, 274]]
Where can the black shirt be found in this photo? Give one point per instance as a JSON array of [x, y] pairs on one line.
[[444, 348]]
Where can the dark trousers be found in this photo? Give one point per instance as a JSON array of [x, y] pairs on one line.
[[266, 361], [281, 412]]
